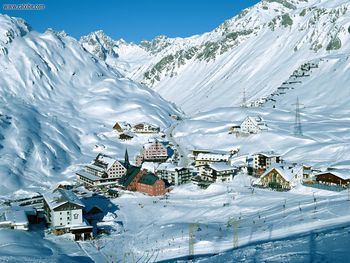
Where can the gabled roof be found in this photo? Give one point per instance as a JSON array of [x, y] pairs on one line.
[[60, 197], [167, 167], [95, 167], [219, 167], [149, 179], [122, 125], [156, 144], [256, 120], [268, 154], [341, 173], [146, 124], [88, 175], [286, 173], [105, 159], [129, 176]]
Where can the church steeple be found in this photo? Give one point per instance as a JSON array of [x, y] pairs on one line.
[[126, 158]]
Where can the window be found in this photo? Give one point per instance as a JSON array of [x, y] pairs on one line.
[[61, 218], [76, 216]]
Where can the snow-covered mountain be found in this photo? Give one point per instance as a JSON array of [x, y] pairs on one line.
[[255, 51], [57, 102]]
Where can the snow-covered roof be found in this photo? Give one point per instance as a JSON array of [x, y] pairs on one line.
[[239, 161], [221, 167], [109, 161], [17, 217], [59, 197], [341, 173], [88, 175], [212, 156], [13, 216], [268, 154], [287, 173], [150, 144], [167, 167], [147, 124], [208, 151], [256, 120], [150, 166], [95, 167], [123, 125]]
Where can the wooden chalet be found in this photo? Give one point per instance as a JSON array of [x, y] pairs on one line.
[[334, 178]]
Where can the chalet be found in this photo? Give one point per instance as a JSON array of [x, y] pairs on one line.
[[208, 158], [174, 175], [16, 217], [103, 170], [152, 152], [150, 184], [334, 177], [218, 172], [64, 213], [253, 124], [282, 177], [200, 182], [264, 160], [241, 162], [234, 128], [145, 128], [126, 136], [122, 126]]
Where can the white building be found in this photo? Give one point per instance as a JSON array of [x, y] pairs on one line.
[[282, 177], [16, 217], [253, 124], [103, 170], [208, 158], [152, 152], [64, 213], [173, 174], [218, 172], [264, 160], [63, 209], [145, 128]]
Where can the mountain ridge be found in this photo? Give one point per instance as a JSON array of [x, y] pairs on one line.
[[303, 30]]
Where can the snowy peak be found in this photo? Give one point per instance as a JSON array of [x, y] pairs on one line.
[[57, 102], [157, 44], [272, 35], [99, 44], [10, 29]]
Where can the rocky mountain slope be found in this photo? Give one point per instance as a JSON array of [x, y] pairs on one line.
[[57, 102], [254, 52]]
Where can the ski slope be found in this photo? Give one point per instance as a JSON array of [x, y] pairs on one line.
[[58, 104]]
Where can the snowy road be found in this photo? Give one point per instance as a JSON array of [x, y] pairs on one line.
[[183, 162]]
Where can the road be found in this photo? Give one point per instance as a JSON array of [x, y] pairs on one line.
[[183, 162]]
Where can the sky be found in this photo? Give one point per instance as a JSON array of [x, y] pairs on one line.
[[132, 20]]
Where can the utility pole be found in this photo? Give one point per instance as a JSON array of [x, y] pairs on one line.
[[244, 99], [297, 123]]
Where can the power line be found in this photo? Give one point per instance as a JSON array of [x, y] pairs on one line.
[[297, 123]]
